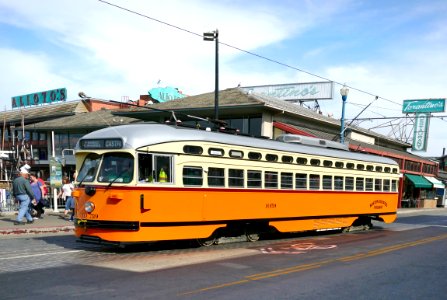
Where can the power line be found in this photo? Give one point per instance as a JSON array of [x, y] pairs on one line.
[[246, 51]]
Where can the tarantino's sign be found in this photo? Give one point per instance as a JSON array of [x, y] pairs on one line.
[[423, 105], [420, 134]]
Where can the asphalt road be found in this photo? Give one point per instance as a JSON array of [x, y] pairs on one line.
[[404, 260]]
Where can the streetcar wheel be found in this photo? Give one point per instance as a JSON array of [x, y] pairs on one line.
[[252, 236], [206, 242]]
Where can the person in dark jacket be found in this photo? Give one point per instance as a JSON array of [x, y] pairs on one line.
[[24, 195]]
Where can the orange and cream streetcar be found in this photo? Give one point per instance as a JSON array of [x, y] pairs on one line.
[[151, 182]]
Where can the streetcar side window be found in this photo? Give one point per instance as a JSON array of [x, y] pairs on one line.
[[338, 183], [314, 182], [154, 168], [378, 185], [394, 185], [386, 185], [192, 176], [369, 184], [349, 183], [301, 181], [145, 168], [254, 179], [235, 178], [271, 180], [287, 181], [216, 177], [327, 182], [359, 184]]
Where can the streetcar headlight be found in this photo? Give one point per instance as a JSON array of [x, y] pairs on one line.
[[89, 206]]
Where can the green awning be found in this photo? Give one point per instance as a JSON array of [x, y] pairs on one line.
[[419, 181]]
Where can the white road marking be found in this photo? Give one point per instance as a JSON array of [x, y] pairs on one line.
[[40, 254]]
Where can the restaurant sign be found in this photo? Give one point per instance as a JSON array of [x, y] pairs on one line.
[[420, 134], [294, 91], [39, 98], [424, 105]]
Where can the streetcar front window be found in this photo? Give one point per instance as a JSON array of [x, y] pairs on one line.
[[116, 167], [89, 168]]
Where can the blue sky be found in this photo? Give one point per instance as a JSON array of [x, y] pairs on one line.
[[393, 49]]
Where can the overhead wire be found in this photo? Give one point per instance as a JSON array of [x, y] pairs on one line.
[[247, 51]]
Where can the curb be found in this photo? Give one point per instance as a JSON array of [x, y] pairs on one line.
[[36, 230]]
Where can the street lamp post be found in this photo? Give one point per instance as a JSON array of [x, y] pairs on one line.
[[214, 36], [344, 96]]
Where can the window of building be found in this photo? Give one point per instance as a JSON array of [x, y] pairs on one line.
[[286, 180], [271, 180], [301, 181], [235, 178], [192, 176], [327, 182], [314, 181], [254, 179], [216, 177]]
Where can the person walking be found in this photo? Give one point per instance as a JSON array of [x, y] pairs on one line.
[[24, 195], [38, 191], [66, 191]]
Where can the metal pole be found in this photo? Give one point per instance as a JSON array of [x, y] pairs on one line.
[[216, 89], [342, 128], [55, 191]]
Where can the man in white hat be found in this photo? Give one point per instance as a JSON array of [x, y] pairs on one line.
[[24, 194]]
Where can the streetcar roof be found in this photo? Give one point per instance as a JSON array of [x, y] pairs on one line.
[[139, 135]]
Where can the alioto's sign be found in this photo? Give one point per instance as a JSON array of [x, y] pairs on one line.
[[39, 98]]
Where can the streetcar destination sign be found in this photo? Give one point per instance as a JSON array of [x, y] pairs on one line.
[[423, 105]]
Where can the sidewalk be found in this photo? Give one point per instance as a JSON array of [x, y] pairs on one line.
[[54, 223], [51, 223]]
